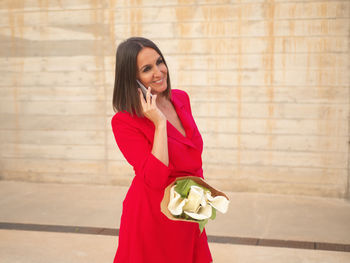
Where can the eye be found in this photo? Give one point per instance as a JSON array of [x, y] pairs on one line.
[[147, 68], [160, 61]]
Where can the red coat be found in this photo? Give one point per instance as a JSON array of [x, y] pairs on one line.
[[146, 235]]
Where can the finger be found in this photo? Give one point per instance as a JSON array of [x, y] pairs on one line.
[[148, 96], [142, 99]]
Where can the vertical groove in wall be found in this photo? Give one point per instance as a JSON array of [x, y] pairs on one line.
[[112, 40], [135, 17], [320, 83], [347, 194], [16, 23], [268, 62], [97, 17], [239, 92]]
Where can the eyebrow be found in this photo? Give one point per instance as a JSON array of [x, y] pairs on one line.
[[149, 64]]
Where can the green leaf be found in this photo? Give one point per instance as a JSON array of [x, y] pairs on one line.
[[213, 213], [202, 224]]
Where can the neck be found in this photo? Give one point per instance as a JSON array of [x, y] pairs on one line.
[[162, 101]]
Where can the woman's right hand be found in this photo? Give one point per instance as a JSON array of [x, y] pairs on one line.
[[150, 109]]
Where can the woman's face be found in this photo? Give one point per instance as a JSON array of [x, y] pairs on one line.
[[152, 70]]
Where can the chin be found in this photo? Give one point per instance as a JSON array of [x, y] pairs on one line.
[[161, 89]]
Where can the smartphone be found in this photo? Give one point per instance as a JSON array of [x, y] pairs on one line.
[[143, 89]]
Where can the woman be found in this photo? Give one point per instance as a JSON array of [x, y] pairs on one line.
[[159, 138]]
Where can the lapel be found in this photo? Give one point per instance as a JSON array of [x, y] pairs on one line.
[[185, 118]]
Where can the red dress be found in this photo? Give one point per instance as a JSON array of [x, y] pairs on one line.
[[146, 235]]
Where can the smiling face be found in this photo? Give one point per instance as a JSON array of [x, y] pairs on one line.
[[152, 70]]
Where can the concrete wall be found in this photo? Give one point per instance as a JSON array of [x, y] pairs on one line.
[[268, 81]]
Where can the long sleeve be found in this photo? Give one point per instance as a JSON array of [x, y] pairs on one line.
[[137, 151]]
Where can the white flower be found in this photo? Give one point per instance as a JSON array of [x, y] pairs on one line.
[[176, 203], [203, 213], [194, 199], [199, 203], [196, 204], [220, 203]]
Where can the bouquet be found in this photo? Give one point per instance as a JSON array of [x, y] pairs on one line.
[[192, 199]]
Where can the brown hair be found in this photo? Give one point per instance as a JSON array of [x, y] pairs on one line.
[[125, 94]]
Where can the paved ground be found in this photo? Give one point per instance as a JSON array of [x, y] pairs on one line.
[[257, 228]]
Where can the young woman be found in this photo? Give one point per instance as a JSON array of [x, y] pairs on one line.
[[159, 138]]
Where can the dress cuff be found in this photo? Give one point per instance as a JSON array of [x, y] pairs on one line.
[[156, 173]]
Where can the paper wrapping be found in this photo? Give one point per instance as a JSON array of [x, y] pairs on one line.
[[166, 197]]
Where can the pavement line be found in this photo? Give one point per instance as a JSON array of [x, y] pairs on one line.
[[211, 238]]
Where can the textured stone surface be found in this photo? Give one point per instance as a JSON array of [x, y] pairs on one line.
[[268, 82]]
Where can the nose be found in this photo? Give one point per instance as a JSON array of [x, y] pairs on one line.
[[157, 72]]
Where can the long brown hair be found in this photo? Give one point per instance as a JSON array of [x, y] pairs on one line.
[[125, 94]]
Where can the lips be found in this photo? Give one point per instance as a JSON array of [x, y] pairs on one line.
[[159, 81]]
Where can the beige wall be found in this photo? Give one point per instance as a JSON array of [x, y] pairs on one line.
[[268, 81]]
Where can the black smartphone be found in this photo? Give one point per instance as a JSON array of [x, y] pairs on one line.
[[143, 89]]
